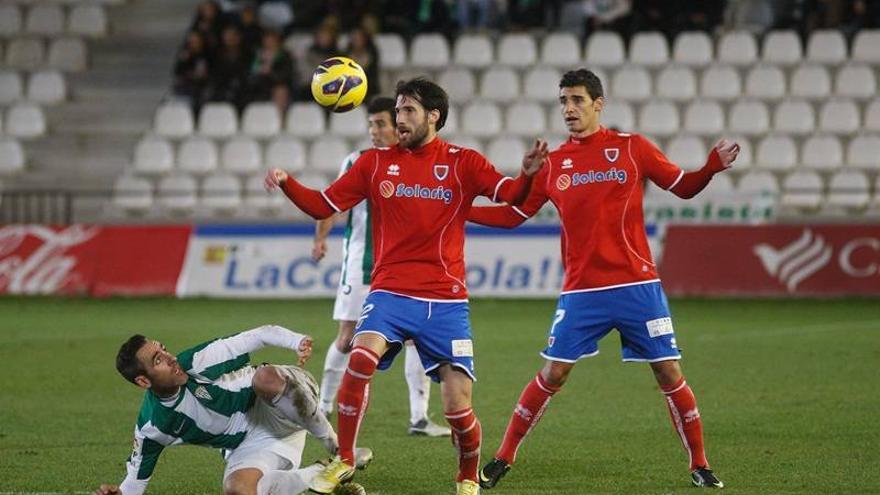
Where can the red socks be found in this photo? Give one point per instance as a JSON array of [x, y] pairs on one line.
[[353, 396], [466, 436], [686, 419], [526, 414]]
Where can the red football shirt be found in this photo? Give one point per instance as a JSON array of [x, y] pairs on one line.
[[597, 184], [419, 201]]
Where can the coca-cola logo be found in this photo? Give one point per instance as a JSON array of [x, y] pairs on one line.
[[47, 267]]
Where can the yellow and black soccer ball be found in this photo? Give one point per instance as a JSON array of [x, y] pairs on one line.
[[339, 84]]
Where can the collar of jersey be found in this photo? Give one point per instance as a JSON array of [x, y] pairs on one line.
[[589, 139]]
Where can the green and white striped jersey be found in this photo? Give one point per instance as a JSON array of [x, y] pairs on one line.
[[211, 409], [357, 248]]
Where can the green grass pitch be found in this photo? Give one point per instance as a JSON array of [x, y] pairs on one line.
[[789, 392]]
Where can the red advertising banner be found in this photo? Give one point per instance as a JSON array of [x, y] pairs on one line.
[[91, 260], [810, 260]]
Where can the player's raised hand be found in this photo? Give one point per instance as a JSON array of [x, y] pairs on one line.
[[534, 159], [274, 178], [305, 350], [108, 490], [727, 151]]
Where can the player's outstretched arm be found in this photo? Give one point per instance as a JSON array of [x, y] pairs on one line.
[[515, 192], [505, 217], [720, 158], [310, 201]]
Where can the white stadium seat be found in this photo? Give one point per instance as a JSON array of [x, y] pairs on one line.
[[839, 116], [133, 194], [542, 84], [10, 20], [802, 190], [221, 193], [822, 152], [68, 54], [605, 49], [286, 153], [676, 83], [473, 51], [47, 87], [174, 120], [459, 83], [261, 120], [305, 120], [327, 154], [506, 154], [659, 118], [811, 81], [737, 48], [616, 113], [197, 156], [25, 54], [872, 116], [848, 189], [758, 183], [481, 119], [256, 196], [392, 50], [692, 48], [218, 120], [177, 194], [451, 124], [782, 48], [794, 117], [631, 83], [704, 118], [499, 84], [44, 20], [865, 46], [649, 49], [517, 50], [351, 124], [776, 152], [856, 81], [429, 51], [87, 20], [11, 156], [765, 82], [153, 156], [749, 118], [721, 82], [25, 121], [241, 155], [687, 151], [525, 119], [560, 50], [11, 87], [864, 152], [826, 46]]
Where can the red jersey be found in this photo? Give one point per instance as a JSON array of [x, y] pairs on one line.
[[597, 184], [419, 201]]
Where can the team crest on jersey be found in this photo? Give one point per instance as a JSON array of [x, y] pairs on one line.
[[567, 163], [202, 393], [611, 154], [441, 171], [394, 169]]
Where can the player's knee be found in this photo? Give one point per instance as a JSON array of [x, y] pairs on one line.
[[239, 486], [555, 376], [268, 382], [667, 372]]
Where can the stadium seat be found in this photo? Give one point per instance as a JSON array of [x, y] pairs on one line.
[[473, 51], [864, 152], [459, 83], [305, 120], [737, 48], [649, 49], [153, 156], [351, 124], [241, 155], [11, 87], [286, 153], [429, 51], [25, 54], [721, 187], [856, 81], [795, 117], [822, 152], [197, 156], [218, 120], [693, 48], [506, 153], [865, 46], [481, 119], [617, 114], [765, 82], [811, 81], [542, 84], [704, 118], [782, 48], [659, 118], [826, 46], [10, 20], [133, 194], [221, 193], [749, 118], [605, 49], [720, 82], [261, 120], [631, 83], [44, 20], [776, 152], [758, 184], [47, 87], [68, 54], [174, 120], [525, 119], [517, 50], [451, 124], [392, 50], [687, 151], [326, 155], [177, 193], [560, 50], [872, 116], [839, 116], [257, 198], [87, 20], [848, 189], [11, 156], [802, 189], [25, 121], [676, 83], [499, 84]]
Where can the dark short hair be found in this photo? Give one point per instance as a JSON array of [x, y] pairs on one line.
[[585, 78], [127, 363], [381, 104], [428, 94]]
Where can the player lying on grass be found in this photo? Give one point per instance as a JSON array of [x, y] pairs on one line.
[[211, 395]]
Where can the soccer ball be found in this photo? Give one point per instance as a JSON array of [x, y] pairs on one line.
[[339, 84], [351, 488]]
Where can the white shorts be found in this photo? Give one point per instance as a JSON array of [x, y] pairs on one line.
[[349, 300]]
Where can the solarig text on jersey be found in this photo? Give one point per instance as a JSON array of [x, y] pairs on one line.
[[420, 191], [591, 176]]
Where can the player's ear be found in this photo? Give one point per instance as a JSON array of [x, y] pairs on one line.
[[599, 104], [434, 116], [142, 381]]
